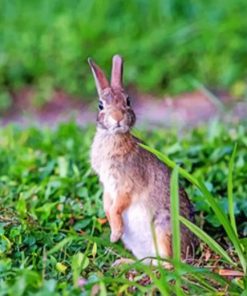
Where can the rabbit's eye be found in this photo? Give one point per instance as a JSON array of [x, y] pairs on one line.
[[101, 105], [128, 101]]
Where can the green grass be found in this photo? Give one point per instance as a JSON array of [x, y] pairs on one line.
[[169, 46], [53, 242]]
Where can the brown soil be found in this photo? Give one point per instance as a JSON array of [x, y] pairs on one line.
[[185, 110]]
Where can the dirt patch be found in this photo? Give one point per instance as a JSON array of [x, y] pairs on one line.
[[185, 110]]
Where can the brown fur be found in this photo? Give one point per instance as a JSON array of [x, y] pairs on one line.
[[130, 174], [118, 206]]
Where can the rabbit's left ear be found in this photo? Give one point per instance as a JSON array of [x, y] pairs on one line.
[[99, 77], [117, 72]]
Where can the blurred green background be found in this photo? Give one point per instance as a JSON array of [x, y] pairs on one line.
[[168, 45]]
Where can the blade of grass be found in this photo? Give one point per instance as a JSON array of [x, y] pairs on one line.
[[213, 98], [230, 191], [160, 281], [200, 283], [175, 215], [61, 244], [175, 224], [122, 281], [210, 199], [207, 239], [208, 277], [226, 224], [170, 163]]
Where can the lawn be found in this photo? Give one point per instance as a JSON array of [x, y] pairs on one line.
[[54, 239]]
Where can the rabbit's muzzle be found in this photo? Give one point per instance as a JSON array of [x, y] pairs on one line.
[[116, 121]]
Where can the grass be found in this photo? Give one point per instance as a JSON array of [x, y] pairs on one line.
[[170, 46], [53, 235], [230, 193]]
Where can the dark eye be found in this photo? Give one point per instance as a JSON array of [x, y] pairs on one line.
[[128, 101], [101, 106]]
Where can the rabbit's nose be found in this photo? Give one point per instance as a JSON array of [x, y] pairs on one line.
[[117, 116]]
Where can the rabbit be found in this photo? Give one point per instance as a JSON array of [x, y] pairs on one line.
[[136, 183]]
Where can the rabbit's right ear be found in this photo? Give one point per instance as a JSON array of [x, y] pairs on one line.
[[117, 72], [99, 77]]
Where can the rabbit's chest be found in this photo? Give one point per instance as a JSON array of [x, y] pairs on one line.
[[110, 184], [115, 180]]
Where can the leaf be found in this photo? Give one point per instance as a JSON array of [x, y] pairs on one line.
[[61, 267], [229, 190], [21, 206], [5, 245], [60, 245], [94, 250], [62, 166], [79, 262], [229, 272]]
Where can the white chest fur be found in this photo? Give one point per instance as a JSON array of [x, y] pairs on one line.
[[137, 235], [109, 182]]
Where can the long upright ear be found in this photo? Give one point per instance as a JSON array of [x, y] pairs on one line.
[[99, 77], [117, 72]]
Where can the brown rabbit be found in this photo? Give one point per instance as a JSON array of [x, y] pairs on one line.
[[136, 183]]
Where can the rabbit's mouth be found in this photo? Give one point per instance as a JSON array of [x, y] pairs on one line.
[[118, 129]]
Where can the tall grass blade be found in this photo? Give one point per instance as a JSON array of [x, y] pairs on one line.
[[176, 248], [207, 239], [226, 224], [230, 191], [170, 163], [175, 215]]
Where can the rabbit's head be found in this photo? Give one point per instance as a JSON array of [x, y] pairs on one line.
[[115, 114]]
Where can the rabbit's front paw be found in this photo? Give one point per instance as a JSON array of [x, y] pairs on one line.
[[115, 236]]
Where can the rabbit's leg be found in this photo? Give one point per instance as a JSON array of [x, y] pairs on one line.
[[107, 204], [164, 244], [121, 203]]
